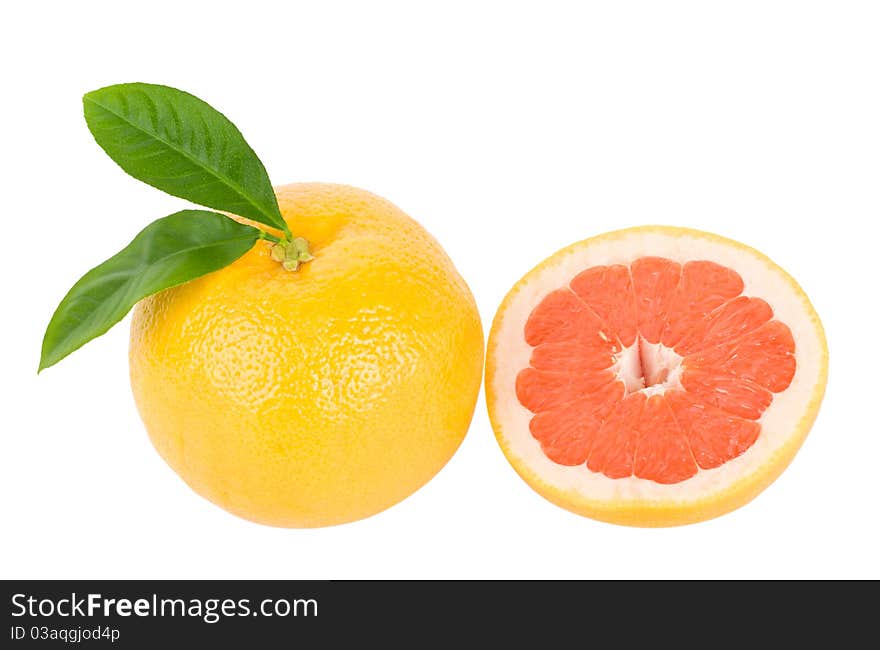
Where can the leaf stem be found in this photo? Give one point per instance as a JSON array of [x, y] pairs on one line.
[[272, 238]]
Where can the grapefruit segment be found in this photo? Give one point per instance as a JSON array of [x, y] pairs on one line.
[[561, 316], [608, 291], [713, 436], [726, 323], [539, 390], [727, 392], [654, 376], [614, 447], [655, 280], [703, 287], [662, 453], [571, 357], [765, 357], [566, 434]]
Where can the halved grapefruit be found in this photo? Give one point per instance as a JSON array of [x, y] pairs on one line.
[[654, 376]]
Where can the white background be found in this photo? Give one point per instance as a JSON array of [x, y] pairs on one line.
[[509, 130]]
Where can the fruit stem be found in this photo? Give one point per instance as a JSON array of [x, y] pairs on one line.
[[292, 253]]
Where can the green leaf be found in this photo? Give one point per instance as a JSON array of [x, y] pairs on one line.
[[179, 144], [170, 251]]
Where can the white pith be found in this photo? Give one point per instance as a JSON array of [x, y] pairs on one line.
[[650, 368], [761, 279]]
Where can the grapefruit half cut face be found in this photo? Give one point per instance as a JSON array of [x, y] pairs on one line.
[[654, 376]]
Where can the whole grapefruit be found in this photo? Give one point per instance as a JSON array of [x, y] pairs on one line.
[[321, 395]]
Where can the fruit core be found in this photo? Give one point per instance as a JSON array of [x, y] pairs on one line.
[[646, 367], [655, 370]]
